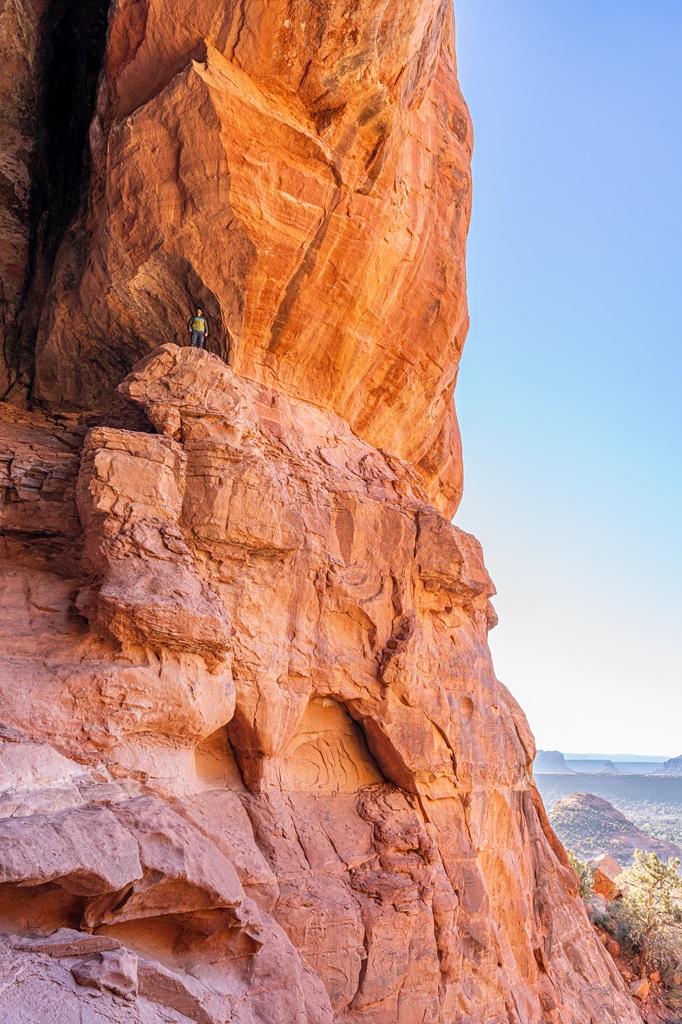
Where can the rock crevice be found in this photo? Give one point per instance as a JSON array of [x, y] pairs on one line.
[[308, 167], [54, 62]]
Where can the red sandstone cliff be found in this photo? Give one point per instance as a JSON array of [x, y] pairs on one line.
[[255, 765]]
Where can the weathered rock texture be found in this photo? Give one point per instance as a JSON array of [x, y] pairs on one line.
[[254, 753], [301, 171], [255, 765]]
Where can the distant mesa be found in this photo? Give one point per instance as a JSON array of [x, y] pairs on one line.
[[591, 827], [671, 767], [611, 764], [551, 762]]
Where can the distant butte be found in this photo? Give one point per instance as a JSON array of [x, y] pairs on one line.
[[551, 762], [671, 767]]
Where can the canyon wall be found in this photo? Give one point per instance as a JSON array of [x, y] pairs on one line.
[[255, 764], [301, 171]]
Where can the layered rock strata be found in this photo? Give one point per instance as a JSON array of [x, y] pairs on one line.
[[256, 763]]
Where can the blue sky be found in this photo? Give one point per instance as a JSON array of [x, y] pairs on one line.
[[569, 389]]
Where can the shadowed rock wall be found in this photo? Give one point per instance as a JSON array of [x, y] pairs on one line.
[[51, 53]]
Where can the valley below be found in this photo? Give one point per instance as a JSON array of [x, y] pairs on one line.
[[653, 803]]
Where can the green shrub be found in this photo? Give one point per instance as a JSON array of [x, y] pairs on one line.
[[651, 911], [584, 873]]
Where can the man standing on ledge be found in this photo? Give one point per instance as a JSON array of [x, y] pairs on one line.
[[198, 328]]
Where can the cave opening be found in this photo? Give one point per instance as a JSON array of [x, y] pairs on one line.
[[73, 42], [73, 58]]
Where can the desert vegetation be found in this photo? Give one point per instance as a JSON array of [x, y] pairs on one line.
[[644, 922]]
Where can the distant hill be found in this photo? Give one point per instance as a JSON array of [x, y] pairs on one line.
[[551, 762], [641, 767], [671, 767], [617, 758], [624, 791], [610, 768], [555, 762], [591, 826]]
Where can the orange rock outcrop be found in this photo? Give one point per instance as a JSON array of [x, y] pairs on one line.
[[303, 174], [255, 764], [252, 731]]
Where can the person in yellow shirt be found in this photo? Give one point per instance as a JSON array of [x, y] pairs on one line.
[[198, 328]]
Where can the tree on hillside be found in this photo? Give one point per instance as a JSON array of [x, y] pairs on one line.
[[584, 873], [652, 904]]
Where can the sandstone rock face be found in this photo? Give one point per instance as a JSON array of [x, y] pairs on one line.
[[256, 765], [302, 172]]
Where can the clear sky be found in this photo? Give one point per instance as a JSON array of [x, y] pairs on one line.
[[569, 393]]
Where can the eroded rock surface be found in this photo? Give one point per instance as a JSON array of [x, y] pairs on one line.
[[255, 764], [252, 739], [300, 171]]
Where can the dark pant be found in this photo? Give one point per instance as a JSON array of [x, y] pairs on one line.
[[198, 338]]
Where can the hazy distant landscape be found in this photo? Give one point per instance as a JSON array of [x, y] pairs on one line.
[[627, 767], [651, 802], [591, 826]]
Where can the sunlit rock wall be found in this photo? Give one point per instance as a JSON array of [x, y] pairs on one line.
[[255, 764]]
